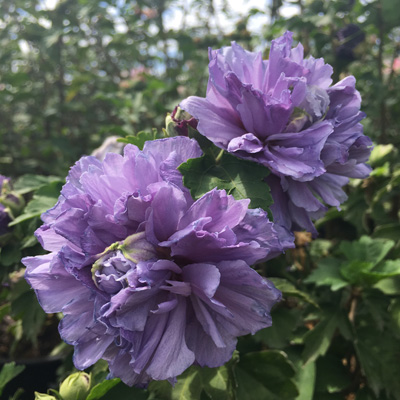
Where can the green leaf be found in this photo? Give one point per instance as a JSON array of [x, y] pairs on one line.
[[187, 387], [268, 373], [277, 336], [141, 137], [305, 374], [289, 290], [219, 382], [44, 199], [99, 390], [327, 274], [243, 179], [387, 231], [380, 153], [354, 271], [366, 249], [378, 353], [389, 286], [124, 392], [305, 381], [28, 183], [10, 254], [318, 339], [8, 373], [386, 269], [25, 306], [320, 248]]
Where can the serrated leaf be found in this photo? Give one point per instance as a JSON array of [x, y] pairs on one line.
[[243, 179], [378, 352], [289, 290], [327, 274], [9, 372], [366, 249]]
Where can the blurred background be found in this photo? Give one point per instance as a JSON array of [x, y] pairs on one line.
[[73, 72]]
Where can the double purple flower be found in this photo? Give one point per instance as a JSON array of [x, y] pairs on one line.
[[284, 114], [147, 278]]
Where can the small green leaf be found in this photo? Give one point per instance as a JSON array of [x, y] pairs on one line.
[[99, 390], [243, 179], [327, 274], [389, 286], [44, 199], [289, 290], [29, 183], [8, 373], [141, 137]]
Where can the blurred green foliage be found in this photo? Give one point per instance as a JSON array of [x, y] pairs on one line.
[[72, 75]]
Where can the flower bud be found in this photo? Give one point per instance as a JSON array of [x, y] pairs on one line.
[[44, 396], [76, 386], [178, 122]]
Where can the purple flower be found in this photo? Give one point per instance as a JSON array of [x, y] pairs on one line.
[[284, 114], [147, 278]]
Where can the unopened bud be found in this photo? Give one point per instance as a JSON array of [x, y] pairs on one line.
[[76, 386], [44, 396]]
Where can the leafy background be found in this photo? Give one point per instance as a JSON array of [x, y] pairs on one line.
[[75, 74]]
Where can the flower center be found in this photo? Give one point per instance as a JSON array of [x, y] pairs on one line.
[[116, 268]]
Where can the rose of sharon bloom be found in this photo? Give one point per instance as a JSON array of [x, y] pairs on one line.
[[147, 278], [284, 114]]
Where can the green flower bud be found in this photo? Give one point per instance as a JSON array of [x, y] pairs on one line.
[[76, 386], [44, 396]]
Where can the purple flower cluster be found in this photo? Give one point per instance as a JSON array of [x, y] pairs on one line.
[[284, 114], [147, 278]]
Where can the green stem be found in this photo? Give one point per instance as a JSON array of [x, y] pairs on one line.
[[219, 156]]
